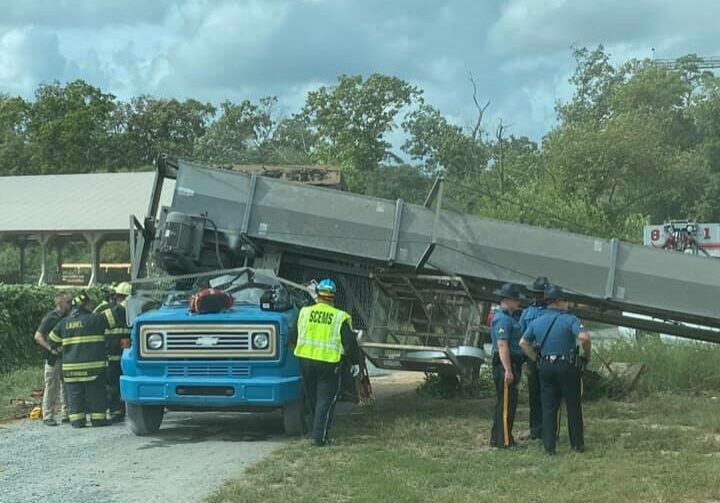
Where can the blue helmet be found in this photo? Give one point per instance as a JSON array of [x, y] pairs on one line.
[[327, 287]]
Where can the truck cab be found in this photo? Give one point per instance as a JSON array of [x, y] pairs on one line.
[[238, 359]]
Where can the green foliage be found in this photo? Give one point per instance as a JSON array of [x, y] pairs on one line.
[[685, 367], [352, 118], [22, 307]]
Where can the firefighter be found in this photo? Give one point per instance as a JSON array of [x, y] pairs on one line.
[[108, 293], [54, 390], [116, 339], [81, 339], [507, 363], [551, 340], [531, 312], [325, 337]]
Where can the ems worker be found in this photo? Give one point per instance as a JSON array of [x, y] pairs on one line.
[[325, 337], [530, 313], [551, 340], [54, 390], [116, 339], [507, 363], [81, 338]]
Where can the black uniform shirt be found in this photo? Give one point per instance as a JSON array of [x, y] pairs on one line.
[[49, 321]]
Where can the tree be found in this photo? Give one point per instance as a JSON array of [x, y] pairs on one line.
[[70, 127], [169, 126], [352, 119], [442, 147], [14, 142]]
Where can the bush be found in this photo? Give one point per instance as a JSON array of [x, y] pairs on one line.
[[21, 309]]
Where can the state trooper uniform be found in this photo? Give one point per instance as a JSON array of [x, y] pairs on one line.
[[529, 314], [505, 327], [555, 336], [324, 338], [81, 338]]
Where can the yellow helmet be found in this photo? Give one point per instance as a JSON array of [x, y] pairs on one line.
[[36, 413], [124, 288]]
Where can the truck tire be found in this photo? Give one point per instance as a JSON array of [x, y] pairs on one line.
[[144, 419], [294, 418]]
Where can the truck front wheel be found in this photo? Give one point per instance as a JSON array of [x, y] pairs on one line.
[[144, 419], [294, 418]]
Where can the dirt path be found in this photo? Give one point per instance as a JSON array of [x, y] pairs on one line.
[[190, 457]]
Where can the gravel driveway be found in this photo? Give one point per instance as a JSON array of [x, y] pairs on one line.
[[190, 457]]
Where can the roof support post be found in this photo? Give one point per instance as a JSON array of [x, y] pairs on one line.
[[95, 242], [22, 245], [44, 240]]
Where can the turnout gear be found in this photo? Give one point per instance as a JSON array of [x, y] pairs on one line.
[[124, 289], [115, 340], [81, 337]]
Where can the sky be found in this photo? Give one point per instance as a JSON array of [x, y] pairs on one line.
[[518, 51]]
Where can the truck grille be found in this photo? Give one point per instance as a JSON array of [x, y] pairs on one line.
[[208, 341], [220, 371]]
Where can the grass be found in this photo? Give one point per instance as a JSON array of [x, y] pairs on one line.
[[662, 444], [18, 384], [664, 448]]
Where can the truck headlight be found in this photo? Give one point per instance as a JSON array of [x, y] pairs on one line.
[[155, 341], [260, 340]]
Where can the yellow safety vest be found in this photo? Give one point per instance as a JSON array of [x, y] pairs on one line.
[[319, 333]]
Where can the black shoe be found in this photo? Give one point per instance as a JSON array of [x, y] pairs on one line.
[[99, 422], [77, 424], [50, 422], [117, 419], [65, 420], [578, 449]]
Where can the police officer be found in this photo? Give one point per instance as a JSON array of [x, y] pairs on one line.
[[324, 337], [116, 339], [552, 340], [507, 363], [530, 313], [54, 389], [81, 338]]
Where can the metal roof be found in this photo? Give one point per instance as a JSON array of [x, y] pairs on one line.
[[75, 203]]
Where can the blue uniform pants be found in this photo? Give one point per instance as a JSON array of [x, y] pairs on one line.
[[559, 380], [505, 403], [534, 400]]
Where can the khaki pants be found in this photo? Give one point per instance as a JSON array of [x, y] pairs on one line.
[[54, 392]]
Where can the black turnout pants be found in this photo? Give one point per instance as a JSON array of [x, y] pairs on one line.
[[112, 389], [561, 380], [321, 381], [87, 396], [505, 403], [534, 399]]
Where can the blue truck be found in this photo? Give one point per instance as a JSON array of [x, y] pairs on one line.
[[237, 359]]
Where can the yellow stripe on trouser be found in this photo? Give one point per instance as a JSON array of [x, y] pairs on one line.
[[97, 416], [79, 416], [114, 358], [506, 410]]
